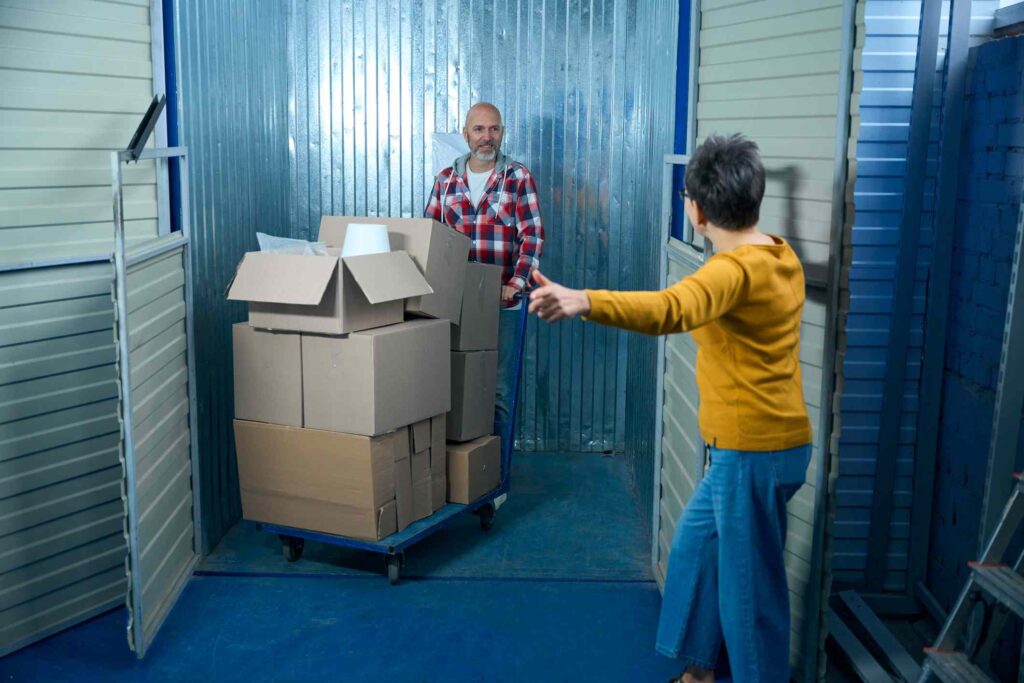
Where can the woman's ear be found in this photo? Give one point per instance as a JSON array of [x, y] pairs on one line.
[[699, 214]]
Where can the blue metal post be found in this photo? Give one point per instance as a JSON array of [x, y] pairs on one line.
[[930, 394]]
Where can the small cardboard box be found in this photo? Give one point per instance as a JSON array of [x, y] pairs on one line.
[[477, 328], [326, 294], [474, 468], [268, 375], [474, 383], [422, 500], [374, 381], [440, 252], [321, 481], [403, 487]]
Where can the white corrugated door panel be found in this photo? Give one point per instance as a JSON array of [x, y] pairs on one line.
[[75, 76], [61, 547], [682, 450], [156, 445]]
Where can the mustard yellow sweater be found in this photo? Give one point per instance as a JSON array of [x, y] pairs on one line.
[[743, 308]]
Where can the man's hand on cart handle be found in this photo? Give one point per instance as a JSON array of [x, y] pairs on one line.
[[553, 302]]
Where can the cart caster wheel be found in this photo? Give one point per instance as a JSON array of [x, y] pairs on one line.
[[292, 547], [486, 513], [394, 563]]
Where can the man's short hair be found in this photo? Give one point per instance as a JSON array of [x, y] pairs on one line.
[[726, 179]]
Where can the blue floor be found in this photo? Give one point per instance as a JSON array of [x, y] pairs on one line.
[[567, 517], [559, 590]]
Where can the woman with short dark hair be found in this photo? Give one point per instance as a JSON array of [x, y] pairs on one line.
[[726, 578]]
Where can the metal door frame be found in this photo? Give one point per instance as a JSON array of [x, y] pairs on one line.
[[122, 261]]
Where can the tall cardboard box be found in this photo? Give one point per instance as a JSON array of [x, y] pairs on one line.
[[474, 383], [330, 482], [474, 468], [268, 375], [440, 252], [477, 328], [377, 380], [326, 294]]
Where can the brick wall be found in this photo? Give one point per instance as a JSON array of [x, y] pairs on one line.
[[988, 200]]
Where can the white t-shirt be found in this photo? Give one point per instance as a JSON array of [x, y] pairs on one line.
[[477, 183]]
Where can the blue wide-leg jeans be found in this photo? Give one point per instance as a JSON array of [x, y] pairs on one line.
[[726, 578]]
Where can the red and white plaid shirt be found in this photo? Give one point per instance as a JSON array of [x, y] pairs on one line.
[[505, 226]]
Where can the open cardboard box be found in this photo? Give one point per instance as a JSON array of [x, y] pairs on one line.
[[326, 294], [439, 251]]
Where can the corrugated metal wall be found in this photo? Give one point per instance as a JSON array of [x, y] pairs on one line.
[[883, 86], [73, 88], [651, 141], [294, 111], [233, 85], [373, 81], [783, 60]]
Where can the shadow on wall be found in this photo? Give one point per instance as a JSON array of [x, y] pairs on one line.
[[788, 179]]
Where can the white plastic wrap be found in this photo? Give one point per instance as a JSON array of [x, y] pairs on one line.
[[286, 245]]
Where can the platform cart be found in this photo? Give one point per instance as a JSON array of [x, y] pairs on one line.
[[393, 547]]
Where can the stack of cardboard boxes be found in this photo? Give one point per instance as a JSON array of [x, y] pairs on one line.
[[475, 455], [343, 379], [340, 400]]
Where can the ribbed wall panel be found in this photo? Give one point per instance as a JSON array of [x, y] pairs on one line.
[[61, 549], [74, 80], [156, 444], [682, 450], [74, 87]]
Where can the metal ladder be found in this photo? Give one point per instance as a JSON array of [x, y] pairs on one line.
[[991, 577]]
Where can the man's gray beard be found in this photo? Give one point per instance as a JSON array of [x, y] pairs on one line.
[[485, 156]]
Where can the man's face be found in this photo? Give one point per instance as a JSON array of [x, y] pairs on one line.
[[483, 133]]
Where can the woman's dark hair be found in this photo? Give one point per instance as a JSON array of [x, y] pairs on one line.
[[726, 179]]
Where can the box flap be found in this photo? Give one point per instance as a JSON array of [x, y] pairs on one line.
[[387, 277], [282, 278]]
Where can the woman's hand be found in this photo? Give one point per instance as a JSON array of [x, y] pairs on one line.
[[553, 302]]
